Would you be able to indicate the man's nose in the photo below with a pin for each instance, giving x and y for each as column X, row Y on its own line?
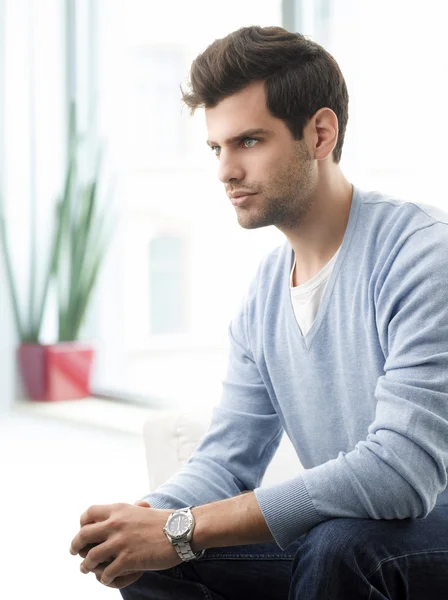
column 229, row 168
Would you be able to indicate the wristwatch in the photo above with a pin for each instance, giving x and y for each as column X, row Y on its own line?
column 179, row 531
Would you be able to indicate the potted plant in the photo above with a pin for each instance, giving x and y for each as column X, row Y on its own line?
column 62, row 370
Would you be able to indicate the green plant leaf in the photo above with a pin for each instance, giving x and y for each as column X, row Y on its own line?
column 97, row 254
column 11, row 280
column 80, row 237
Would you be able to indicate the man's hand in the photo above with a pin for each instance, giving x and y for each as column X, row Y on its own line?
column 120, row 541
column 118, row 582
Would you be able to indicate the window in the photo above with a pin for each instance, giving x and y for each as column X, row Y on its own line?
column 179, row 263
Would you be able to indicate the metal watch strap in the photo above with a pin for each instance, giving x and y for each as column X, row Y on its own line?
column 183, row 548
column 185, row 552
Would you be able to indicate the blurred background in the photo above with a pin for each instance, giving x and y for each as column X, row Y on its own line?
column 176, row 264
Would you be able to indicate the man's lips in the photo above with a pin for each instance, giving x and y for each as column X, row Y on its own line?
column 240, row 193
column 240, row 198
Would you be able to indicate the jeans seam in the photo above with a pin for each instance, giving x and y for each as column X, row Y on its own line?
column 370, row 591
column 408, row 555
column 205, row 591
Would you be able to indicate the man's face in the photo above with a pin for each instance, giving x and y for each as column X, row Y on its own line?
column 269, row 176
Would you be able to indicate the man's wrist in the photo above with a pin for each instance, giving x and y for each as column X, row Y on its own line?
column 194, row 542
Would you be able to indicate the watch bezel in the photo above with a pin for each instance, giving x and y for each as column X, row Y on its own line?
column 178, row 536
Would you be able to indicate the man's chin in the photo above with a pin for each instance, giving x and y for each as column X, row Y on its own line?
column 251, row 223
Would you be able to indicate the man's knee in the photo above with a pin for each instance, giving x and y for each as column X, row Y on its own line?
column 333, row 543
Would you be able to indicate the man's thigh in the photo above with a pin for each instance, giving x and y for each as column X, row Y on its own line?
column 261, row 571
column 399, row 559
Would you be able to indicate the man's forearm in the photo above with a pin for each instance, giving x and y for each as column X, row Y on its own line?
column 231, row 522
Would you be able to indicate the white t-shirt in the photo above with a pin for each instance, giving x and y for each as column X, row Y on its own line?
column 306, row 298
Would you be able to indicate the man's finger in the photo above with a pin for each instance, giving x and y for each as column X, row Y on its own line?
column 89, row 535
column 114, row 570
column 95, row 513
column 100, row 568
column 100, row 556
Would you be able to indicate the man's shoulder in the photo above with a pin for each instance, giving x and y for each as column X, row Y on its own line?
column 415, row 213
column 268, row 280
column 403, row 241
column 275, row 258
column 390, row 225
column 272, row 265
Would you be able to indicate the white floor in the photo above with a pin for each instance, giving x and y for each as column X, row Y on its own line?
column 50, row 472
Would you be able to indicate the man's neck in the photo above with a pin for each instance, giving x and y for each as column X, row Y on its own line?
column 319, row 236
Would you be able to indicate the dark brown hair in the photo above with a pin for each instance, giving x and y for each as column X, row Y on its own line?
column 300, row 76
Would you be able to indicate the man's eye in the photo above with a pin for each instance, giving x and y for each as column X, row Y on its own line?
column 215, row 149
column 249, row 142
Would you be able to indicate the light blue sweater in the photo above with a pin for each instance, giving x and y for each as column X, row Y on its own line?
column 363, row 396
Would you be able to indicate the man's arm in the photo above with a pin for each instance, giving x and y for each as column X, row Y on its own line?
column 244, row 434
column 119, row 541
column 231, row 522
column 231, row 460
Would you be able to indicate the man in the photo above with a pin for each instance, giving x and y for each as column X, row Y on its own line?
column 342, row 342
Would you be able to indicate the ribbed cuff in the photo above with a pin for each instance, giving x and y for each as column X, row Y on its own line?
column 288, row 510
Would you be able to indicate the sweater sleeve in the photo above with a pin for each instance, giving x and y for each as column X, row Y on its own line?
column 401, row 467
column 242, row 438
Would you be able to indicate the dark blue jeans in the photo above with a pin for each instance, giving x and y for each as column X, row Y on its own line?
column 340, row 559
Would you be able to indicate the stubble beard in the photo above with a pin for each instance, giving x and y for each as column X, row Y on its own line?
column 285, row 201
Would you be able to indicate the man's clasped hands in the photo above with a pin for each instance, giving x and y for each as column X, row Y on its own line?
column 118, row 542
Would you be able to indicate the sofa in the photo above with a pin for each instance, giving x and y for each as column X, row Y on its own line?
column 170, row 437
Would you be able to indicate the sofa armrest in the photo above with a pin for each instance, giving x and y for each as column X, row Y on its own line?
column 170, row 437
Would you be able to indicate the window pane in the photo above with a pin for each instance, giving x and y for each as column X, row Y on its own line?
column 156, row 123
column 167, row 286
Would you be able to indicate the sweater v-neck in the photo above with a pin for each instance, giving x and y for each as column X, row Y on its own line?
column 307, row 339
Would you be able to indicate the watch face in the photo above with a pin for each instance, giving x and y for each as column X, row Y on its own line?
column 178, row 525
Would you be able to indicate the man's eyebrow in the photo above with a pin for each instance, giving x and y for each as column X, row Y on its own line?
column 241, row 136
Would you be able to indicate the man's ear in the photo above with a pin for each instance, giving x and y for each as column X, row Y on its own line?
column 323, row 131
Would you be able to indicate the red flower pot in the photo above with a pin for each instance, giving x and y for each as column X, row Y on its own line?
column 56, row 371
